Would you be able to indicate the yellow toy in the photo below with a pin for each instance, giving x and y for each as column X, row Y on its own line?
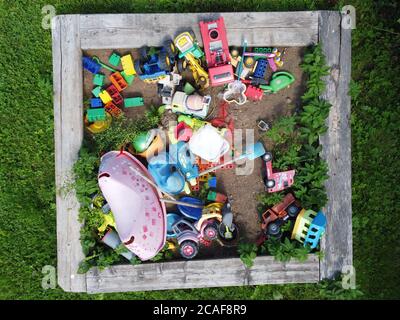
column 127, row 65
column 303, row 222
column 105, row 97
column 108, row 221
column 199, row 74
column 98, row 126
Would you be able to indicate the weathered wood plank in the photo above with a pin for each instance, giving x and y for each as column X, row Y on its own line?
column 200, row 274
column 259, row 28
column 337, row 242
column 68, row 110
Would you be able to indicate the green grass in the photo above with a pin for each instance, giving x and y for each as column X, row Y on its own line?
column 28, row 226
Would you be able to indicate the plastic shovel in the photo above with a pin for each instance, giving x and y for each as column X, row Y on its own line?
column 252, row 152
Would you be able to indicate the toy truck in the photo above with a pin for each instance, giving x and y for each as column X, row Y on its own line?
column 186, row 43
column 216, row 48
column 273, row 218
column 276, row 181
column 194, row 104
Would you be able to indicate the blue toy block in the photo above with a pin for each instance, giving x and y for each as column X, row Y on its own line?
column 212, row 182
column 261, row 68
column 91, row 65
column 96, row 103
column 315, row 231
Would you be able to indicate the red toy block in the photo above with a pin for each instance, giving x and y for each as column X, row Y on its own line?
column 116, row 97
column 118, row 81
column 112, row 109
column 254, row 93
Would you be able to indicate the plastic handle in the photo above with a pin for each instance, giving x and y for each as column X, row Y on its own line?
column 284, row 73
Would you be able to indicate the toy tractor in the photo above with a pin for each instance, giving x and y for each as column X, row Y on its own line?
column 191, row 52
column 155, row 64
column 275, row 217
column 276, row 181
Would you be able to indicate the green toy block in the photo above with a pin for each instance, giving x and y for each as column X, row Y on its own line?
column 188, row 88
column 98, row 79
column 96, row 91
column 128, row 78
column 98, row 114
column 133, row 102
column 114, row 59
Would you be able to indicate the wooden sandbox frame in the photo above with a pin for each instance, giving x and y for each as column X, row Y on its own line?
column 73, row 33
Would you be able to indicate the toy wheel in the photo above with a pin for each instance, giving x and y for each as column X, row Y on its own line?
column 138, row 67
column 202, row 81
column 163, row 61
column 181, row 65
column 188, row 249
column 249, row 62
column 170, row 48
column 269, row 183
column 144, row 52
column 267, row 156
column 274, row 230
column 234, row 52
column 210, row 232
column 293, row 211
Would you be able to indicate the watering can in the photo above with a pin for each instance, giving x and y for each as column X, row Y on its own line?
column 279, row 81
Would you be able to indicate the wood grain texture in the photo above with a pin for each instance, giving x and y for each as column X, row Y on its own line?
column 337, row 242
column 200, row 274
column 68, row 110
column 260, row 28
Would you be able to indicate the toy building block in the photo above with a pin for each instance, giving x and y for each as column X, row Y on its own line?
column 129, row 79
column 112, row 109
column 114, row 59
column 212, row 182
column 98, row 79
column 105, row 97
column 216, row 197
column 133, row 102
column 254, row 93
column 96, row 103
column 98, row 114
column 96, row 91
column 115, row 95
column 260, row 68
column 118, row 81
column 188, row 88
column 91, row 65
column 127, row 65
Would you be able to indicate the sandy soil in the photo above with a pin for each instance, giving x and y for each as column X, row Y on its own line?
column 243, row 189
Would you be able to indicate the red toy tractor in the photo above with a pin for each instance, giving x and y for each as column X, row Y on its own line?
column 276, row 181
column 217, row 53
column 273, row 218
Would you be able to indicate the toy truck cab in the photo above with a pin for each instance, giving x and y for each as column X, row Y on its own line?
column 186, row 44
column 217, row 51
column 273, row 218
column 276, row 181
column 187, row 237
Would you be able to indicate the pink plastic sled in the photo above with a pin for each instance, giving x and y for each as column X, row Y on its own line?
column 139, row 215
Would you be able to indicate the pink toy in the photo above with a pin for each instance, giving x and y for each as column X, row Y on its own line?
column 139, row 215
column 217, row 53
column 183, row 132
column 276, row 181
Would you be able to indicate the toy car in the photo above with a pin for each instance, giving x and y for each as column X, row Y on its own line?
column 216, row 49
column 195, row 104
column 273, row 218
column 276, row 181
column 187, row 237
column 186, row 43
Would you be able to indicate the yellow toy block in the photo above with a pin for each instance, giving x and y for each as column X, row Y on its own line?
column 127, row 65
column 105, row 97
